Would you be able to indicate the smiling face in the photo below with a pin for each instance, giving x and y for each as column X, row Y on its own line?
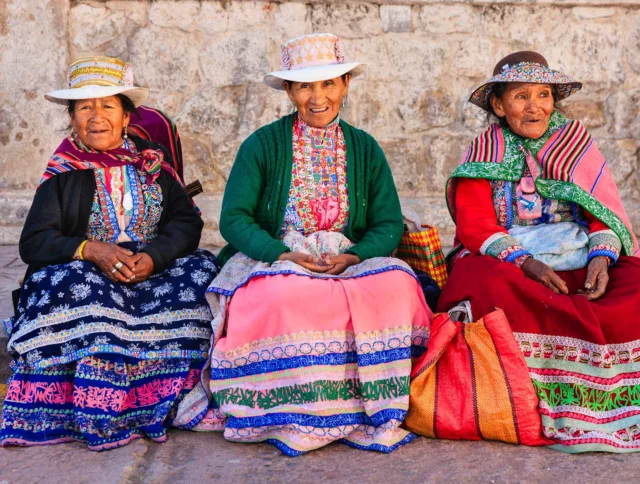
column 526, row 106
column 99, row 122
column 318, row 103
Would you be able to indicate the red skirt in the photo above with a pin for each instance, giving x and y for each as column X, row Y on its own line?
column 583, row 356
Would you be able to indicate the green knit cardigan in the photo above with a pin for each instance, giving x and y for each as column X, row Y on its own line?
column 257, row 192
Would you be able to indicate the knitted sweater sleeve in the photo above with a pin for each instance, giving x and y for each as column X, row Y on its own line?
column 242, row 195
column 384, row 223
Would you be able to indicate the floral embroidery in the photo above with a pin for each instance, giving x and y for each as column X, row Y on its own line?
column 318, row 197
column 124, row 207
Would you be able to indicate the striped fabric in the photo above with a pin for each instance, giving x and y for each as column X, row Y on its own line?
column 561, row 158
column 488, row 147
column 472, row 384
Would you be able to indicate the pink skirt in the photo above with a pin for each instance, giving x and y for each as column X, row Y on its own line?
column 304, row 362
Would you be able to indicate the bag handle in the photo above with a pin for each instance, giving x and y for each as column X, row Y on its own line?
column 463, row 308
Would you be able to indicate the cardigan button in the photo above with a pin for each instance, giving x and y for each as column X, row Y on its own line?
column 282, row 209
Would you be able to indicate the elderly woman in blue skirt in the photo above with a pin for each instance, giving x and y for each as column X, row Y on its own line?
column 112, row 328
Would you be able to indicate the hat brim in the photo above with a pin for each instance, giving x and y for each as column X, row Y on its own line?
column 313, row 74
column 138, row 95
column 564, row 84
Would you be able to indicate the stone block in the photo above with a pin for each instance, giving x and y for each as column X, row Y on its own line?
column 408, row 160
column 203, row 164
column 444, row 154
column 623, row 110
column 213, row 112
column 165, row 69
column 448, row 19
column 474, row 58
column 374, row 52
column 292, row 19
column 589, row 111
column 183, row 16
column 213, row 18
column 632, row 44
column 622, row 158
column 417, row 60
column 236, row 58
column 423, row 109
column 245, row 15
column 589, row 13
column 346, row 19
column 577, row 47
column 103, row 28
column 474, row 119
column 396, row 18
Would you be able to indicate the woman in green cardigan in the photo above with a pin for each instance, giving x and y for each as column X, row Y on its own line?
column 314, row 321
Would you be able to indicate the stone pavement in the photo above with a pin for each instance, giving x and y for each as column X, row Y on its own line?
column 197, row 457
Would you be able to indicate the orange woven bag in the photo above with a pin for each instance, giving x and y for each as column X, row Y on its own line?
column 473, row 383
column 423, row 251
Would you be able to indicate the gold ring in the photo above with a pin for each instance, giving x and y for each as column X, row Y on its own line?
column 118, row 266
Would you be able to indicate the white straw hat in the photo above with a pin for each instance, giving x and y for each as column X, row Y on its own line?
column 310, row 58
column 94, row 77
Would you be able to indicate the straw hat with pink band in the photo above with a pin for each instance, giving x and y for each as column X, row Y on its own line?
column 310, row 58
column 95, row 77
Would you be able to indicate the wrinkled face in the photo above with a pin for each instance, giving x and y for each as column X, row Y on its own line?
column 318, row 103
column 99, row 122
column 527, row 108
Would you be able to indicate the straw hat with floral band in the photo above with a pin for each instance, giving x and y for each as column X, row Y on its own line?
column 96, row 77
column 524, row 66
column 310, row 58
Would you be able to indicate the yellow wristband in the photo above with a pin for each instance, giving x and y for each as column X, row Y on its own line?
column 80, row 249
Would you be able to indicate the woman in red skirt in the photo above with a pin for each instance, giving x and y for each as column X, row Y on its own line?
column 543, row 235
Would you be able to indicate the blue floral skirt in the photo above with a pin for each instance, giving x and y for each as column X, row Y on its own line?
column 101, row 361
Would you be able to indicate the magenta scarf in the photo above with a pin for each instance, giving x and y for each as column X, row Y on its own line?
column 73, row 155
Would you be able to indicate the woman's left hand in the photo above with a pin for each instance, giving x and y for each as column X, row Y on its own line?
column 597, row 278
column 341, row 262
column 143, row 267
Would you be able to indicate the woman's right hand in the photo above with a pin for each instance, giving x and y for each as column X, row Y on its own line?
column 307, row 261
column 542, row 273
column 106, row 256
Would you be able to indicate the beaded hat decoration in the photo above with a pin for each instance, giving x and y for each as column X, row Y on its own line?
column 95, row 77
column 310, row 58
column 525, row 66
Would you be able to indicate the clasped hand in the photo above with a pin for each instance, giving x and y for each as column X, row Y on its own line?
column 595, row 284
column 333, row 264
column 118, row 263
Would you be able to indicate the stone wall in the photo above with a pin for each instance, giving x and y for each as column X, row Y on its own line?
column 204, row 62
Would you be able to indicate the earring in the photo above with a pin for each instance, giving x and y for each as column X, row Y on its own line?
column 125, row 136
column 293, row 108
column 343, row 103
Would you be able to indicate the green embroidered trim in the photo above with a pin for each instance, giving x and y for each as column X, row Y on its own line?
column 559, row 394
column 317, row 391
